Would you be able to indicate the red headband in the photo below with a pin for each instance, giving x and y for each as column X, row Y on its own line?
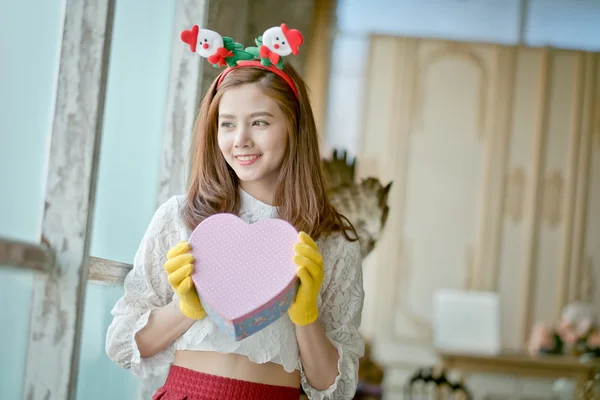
column 258, row 64
column 275, row 43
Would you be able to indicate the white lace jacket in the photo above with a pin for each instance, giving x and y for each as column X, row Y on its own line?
column 146, row 288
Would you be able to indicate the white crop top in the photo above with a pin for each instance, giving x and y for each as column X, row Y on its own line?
column 146, row 288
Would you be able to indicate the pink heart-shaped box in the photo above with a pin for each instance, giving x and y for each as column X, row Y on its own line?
column 244, row 273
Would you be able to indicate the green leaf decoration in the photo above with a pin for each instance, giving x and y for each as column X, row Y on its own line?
column 253, row 51
column 238, row 55
column 232, row 45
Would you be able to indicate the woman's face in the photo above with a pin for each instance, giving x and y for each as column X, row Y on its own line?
column 252, row 136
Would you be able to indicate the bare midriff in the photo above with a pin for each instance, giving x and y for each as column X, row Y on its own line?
column 236, row 366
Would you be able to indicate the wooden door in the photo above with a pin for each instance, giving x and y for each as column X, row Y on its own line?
column 494, row 155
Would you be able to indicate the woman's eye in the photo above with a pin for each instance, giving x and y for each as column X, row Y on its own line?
column 260, row 123
column 226, row 124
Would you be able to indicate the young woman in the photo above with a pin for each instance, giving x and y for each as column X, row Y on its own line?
column 255, row 154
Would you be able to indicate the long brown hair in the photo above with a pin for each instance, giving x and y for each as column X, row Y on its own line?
column 300, row 195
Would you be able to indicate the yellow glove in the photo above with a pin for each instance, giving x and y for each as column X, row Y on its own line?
column 179, row 267
column 303, row 310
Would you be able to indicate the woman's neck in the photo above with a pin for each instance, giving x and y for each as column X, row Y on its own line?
column 260, row 192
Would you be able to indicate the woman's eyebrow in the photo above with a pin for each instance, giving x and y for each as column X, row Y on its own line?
column 253, row 115
column 261, row 114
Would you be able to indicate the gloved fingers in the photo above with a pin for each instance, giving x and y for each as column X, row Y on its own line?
column 186, row 285
column 177, row 262
column 180, row 248
column 304, row 275
column 177, row 276
column 304, row 238
column 315, row 271
column 308, row 252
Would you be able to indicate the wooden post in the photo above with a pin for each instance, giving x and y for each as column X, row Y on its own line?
column 58, row 295
column 318, row 59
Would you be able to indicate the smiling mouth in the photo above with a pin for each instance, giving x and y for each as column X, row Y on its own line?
column 247, row 159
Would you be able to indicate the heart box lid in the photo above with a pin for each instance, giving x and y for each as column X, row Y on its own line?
column 239, row 268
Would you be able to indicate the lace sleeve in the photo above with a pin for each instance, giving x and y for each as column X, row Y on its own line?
column 146, row 288
column 340, row 313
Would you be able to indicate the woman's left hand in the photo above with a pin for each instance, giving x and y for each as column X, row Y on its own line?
column 303, row 310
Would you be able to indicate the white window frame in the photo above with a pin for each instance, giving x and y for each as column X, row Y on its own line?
column 61, row 261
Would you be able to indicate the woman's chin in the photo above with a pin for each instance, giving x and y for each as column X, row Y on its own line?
column 248, row 178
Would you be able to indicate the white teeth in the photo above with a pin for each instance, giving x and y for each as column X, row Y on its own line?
column 247, row 158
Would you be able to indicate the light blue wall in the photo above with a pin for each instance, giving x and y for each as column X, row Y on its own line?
column 129, row 162
column 570, row 24
column 484, row 20
column 127, row 178
column 133, row 126
column 29, row 50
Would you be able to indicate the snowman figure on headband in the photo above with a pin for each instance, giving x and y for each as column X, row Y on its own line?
column 275, row 43
column 219, row 51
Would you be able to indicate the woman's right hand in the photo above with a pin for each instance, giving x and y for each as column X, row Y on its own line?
column 179, row 267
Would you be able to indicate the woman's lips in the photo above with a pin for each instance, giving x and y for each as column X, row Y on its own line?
column 247, row 159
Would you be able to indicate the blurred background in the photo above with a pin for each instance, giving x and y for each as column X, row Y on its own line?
column 467, row 152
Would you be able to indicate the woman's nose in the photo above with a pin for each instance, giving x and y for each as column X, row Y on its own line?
column 242, row 138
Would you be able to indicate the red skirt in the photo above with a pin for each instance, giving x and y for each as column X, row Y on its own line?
column 185, row 384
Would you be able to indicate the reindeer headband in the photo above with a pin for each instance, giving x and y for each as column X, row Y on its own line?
column 275, row 43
